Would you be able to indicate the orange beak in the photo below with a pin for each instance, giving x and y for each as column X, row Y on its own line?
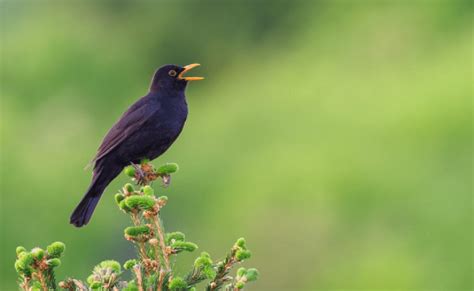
column 188, row 68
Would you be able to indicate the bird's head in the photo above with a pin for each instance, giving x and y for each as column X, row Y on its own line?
column 171, row 78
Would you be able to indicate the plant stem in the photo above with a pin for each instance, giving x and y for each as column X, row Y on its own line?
column 26, row 284
column 162, row 242
column 138, row 274
column 42, row 281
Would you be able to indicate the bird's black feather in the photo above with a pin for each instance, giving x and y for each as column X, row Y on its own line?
column 145, row 131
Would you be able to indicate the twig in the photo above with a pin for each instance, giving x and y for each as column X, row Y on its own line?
column 138, row 274
column 162, row 242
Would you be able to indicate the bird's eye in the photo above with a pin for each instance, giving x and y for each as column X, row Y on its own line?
column 172, row 73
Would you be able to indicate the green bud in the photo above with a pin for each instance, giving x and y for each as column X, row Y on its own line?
column 90, row 279
column 20, row 250
column 37, row 253
column 241, row 272
column 128, row 188
column 252, row 274
column 53, row 263
column 177, row 283
column 144, row 161
column 129, row 171
column 204, row 260
column 179, row 246
column 147, row 190
column 131, row 286
column 167, row 168
column 119, row 198
column 192, row 289
column 164, row 198
column 56, row 249
column 176, row 236
column 110, row 264
column 23, row 264
column 240, row 285
column 241, row 255
column 204, row 263
column 241, row 243
column 137, row 230
column 140, row 202
column 124, row 207
column 95, row 285
column 128, row 265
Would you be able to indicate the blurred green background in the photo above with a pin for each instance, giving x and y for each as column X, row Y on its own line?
column 335, row 136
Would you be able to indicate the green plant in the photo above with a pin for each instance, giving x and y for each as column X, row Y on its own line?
column 152, row 269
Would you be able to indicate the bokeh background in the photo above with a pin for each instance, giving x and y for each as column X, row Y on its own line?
column 335, row 136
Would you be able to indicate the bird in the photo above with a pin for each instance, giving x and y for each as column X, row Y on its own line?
column 145, row 131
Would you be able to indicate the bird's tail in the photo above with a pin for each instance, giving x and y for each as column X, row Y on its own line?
column 83, row 212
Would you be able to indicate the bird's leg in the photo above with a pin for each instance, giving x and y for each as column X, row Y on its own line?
column 140, row 176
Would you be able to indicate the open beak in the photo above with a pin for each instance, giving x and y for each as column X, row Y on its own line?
column 188, row 68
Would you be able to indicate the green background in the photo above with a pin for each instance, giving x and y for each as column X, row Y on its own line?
column 335, row 136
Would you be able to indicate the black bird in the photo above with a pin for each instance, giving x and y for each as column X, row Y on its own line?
column 145, row 131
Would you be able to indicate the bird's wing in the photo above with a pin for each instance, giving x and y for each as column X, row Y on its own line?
column 130, row 122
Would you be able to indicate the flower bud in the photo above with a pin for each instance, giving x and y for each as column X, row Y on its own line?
column 56, row 249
